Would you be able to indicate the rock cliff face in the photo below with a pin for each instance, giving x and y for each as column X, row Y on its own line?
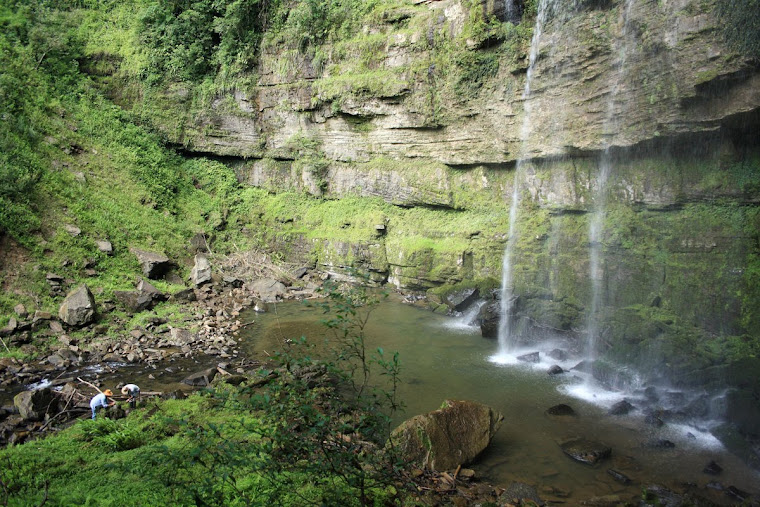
column 428, row 110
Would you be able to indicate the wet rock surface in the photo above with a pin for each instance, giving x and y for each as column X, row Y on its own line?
column 586, row 451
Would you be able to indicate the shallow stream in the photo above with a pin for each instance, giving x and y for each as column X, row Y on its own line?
column 443, row 357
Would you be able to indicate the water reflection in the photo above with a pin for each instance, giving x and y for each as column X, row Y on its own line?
column 442, row 358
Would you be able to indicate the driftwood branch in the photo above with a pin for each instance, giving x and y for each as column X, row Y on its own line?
column 90, row 384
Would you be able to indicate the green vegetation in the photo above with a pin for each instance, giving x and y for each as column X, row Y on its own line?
column 293, row 435
column 741, row 25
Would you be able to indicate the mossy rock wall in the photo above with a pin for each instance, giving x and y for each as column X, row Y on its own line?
column 678, row 248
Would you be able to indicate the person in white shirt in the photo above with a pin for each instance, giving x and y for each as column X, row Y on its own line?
column 134, row 394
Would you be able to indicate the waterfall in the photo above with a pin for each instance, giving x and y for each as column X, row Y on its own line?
column 505, row 335
column 596, row 224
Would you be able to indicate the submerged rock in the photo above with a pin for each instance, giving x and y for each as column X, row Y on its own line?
column 586, row 451
column 619, row 476
column 560, row 410
column 518, row 492
column 448, row 437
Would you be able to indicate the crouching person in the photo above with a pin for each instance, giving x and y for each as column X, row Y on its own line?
column 101, row 401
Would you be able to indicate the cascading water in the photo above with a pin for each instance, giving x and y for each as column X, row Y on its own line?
column 596, row 224
column 505, row 335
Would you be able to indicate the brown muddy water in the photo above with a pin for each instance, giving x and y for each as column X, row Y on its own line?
column 443, row 357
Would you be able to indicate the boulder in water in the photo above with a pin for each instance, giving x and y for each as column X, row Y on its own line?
column 555, row 369
column 621, row 408
column 448, row 437
column 78, row 309
column 586, row 451
column 532, row 357
column 557, row 354
column 460, row 300
column 489, row 320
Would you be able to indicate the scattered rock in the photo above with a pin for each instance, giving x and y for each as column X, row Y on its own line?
column 737, row 493
column 712, row 468
column 180, row 337
column 33, row 405
column 619, row 476
column 651, row 394
column 201, row 378
column 10, row 327
column 201, row 272
column 198, row 243
column 20, row 310
column 268, row 289
column 133, row 301
column 73, row 230
column 586, row 451
column 184, row 295
column 489, row 320
column 78, row 309
column 448, row 437
column 154, row 265
column 558, row 354
column 560, row 410
column 533, row 357
column 460, row 300
column 104, row 246
column 517, row 492
column 555, row 369
column 232, row 281
column 661, row 443
column 621, row 408
column 653, row 420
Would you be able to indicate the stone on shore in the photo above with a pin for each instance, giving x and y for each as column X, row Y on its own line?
column 448, row 437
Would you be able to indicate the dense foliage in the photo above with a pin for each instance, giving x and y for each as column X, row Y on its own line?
column 741, row 25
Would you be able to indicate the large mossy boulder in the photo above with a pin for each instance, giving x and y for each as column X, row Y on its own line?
column 448, row 437
column 78, row 309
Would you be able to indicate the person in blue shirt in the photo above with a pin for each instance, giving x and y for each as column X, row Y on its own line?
column 101, row 400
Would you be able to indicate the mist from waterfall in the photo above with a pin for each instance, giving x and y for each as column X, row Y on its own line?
column 506, row 341
column 596, row 224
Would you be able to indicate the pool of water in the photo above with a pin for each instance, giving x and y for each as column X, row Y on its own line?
column 442, row 358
